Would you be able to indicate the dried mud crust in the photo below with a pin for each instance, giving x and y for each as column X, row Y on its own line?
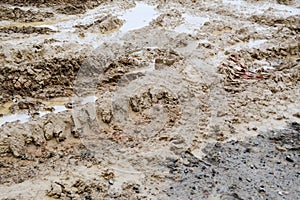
column 252, row 88
column 51, row 2
column 42, row 79
column 69, row 7
column 26, row 30
column 273, row 64
column 289, row 22
column 17, row 14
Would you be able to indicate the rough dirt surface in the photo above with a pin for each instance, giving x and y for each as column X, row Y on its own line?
column 190, row 99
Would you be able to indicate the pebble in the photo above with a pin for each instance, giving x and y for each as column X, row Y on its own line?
column 281, row 193
column 88, row 197
column 289, row 158
column 261, row 189
column 111, row 182
column 297, row 114
column 279, row 148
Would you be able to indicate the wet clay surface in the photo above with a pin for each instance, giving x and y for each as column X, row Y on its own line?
column 149, row 99
column 265, row 166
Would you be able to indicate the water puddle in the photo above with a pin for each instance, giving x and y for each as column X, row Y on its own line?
column 58, row 104
column 191, row 23
column 138, row 17
column 22, row 118
column 255, row 43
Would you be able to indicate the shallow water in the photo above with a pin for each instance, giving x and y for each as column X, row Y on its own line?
column 22, row 118
column 58, row 104
column 67, row 32
column 138, row 17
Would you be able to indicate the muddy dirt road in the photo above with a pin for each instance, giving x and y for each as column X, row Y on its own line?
column 149, row 99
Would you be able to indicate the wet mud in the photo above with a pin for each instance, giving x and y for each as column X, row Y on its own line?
column 149, row 99
column 265, row 166
column 17, row 14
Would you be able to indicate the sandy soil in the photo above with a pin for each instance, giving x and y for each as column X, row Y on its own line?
column 149, row 99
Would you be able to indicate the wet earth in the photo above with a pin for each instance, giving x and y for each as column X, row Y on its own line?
column 149, row 99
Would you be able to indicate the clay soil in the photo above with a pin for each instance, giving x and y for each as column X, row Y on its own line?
column 190, row 99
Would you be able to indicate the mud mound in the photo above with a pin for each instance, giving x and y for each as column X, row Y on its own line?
column 285, row 2
column 105, row 24
column 50, row 2
column 72, row 9
column 26, row 30
column 37, row 144
column 280, row 64
column 291, row 22
column 38, row 79
column 69, row 7
column 171, row 19
column 132, row 65
column 17, row 14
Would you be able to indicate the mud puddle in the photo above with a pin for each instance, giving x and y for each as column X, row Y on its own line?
column 138, row 17
column 54, row 106
column 66, row 31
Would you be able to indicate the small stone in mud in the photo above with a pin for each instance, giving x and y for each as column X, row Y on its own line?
column 48, row 131
column 55, row 191
column 261, row 189
column 205, row 45
column 88, row 197
column 297, row 114
column 76, row 132
column 289, row 158
column 50, row 109
column 279, row 148
column 111, row 182
column 69, row 105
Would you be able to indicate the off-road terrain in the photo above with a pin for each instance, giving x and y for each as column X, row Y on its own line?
column 173, row 99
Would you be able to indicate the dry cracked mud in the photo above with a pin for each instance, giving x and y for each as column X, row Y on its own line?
column 149, row 99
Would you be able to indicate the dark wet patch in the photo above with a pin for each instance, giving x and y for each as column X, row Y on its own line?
column 262, row 167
